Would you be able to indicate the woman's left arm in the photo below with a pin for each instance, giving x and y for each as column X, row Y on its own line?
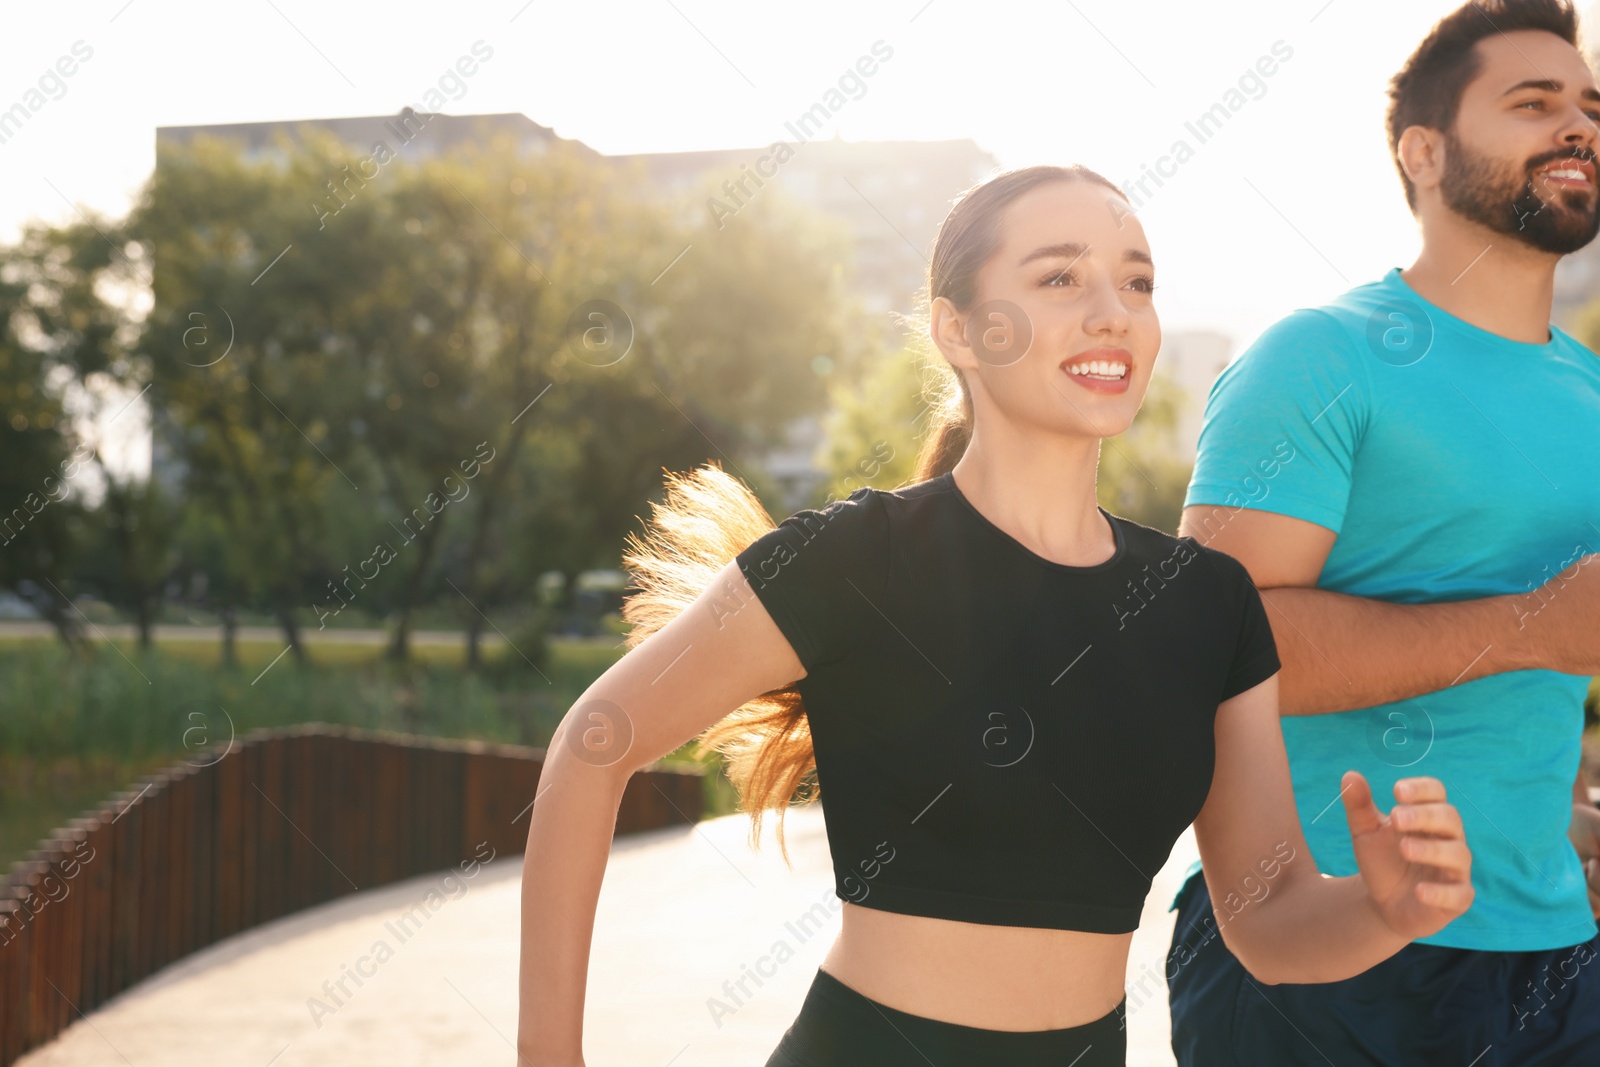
column 1302, row 926
column 1585, row 835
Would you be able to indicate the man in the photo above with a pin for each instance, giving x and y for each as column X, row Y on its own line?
column 1411, row 474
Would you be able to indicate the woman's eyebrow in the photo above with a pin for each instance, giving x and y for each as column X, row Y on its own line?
column 1075, row 250
column 1067, row 250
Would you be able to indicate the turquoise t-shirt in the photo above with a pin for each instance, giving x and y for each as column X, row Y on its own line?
column 1454, row 464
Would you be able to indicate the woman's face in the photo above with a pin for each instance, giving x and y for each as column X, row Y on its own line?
column 1064, row 333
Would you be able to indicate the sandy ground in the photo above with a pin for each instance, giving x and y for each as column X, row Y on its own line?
column 682, row 912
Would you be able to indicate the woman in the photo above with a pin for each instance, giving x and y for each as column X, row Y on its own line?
column 1014, row 700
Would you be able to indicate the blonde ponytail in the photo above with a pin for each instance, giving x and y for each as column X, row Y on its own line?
column 949, row 427
column 706, row 519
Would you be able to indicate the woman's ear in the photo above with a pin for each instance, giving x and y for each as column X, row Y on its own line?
column 947, row 327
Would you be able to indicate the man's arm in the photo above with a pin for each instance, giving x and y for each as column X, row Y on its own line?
column 1343, row 652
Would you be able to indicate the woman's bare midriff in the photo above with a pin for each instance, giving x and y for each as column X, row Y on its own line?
column 995, row 977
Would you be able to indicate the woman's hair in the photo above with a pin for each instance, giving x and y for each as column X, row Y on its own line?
column 708, row 516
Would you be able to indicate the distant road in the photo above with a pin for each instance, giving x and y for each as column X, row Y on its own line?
column 310, row 635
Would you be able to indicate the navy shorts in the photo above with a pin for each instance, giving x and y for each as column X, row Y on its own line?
column 1424, row 1005
column 838, row 1027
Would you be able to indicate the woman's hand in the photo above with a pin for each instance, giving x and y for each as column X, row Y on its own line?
column 1585, row 835
column 1414, row 861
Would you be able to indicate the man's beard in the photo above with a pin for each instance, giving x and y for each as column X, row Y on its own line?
column 1481, row 188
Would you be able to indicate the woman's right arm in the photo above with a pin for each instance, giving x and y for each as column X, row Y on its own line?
column 1299, row 925
column 723, row 650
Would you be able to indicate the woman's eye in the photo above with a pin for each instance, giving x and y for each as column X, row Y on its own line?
column 1147, row 285
column 1531, row 103
column 1063, row 277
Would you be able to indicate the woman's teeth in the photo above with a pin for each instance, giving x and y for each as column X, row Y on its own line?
column 1106, row 369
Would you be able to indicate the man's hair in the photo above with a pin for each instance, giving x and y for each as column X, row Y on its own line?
column 1427, row 90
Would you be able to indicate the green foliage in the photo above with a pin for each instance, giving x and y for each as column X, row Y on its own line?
column 1587, row 329
column 61, row 328
column 720, row 346
column 875, row 425
column 1143, row 475
column 174, row 699
column 480, row 363
column 527, row 659
column 878, row 422
column 132, row 549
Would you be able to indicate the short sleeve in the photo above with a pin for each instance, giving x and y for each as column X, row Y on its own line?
column 1255, row 653
column 1284, row 421
column 821, row 574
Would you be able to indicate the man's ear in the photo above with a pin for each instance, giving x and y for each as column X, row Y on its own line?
column 1421, row 151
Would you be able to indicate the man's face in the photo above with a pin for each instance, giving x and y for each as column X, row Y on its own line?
column 1520, row 159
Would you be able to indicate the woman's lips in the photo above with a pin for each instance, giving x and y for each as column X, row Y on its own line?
column 1093, row 371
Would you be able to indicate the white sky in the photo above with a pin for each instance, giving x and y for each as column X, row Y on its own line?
column 1293, row 201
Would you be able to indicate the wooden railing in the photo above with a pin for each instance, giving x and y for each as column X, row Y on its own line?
column 283, row 820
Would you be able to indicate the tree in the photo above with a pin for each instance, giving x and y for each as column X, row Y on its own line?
column 133, row 552
column 876, row 425
column 66, row 325
column 236, row 365
column 650, row 343
column 210, row 569
column 540, row 332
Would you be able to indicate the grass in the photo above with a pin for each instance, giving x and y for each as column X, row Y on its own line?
column 75, row 731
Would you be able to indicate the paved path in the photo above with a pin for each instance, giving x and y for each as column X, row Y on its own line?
column 681, row 912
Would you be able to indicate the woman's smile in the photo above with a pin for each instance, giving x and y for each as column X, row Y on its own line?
column 1100, row 370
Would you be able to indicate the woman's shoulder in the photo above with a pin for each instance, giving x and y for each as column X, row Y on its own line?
column 879, row 499
column 928, row 487
column 871, row 504
column 1147, row 540
column 1146, row 543
column 857, row 530
column 844, row 530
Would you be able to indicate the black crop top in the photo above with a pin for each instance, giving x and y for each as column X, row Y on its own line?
column 1000, row 738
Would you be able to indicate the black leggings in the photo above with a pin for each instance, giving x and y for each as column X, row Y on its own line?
column 838, row 1027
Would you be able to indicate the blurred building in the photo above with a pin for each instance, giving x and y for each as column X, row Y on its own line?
column 889, row 195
